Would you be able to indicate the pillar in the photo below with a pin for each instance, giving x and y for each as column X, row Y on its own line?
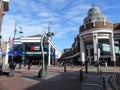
column 82, row 51
column 95, row 47
column 112, row 50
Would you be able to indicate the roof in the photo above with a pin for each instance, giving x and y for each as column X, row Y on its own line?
column 37, row 35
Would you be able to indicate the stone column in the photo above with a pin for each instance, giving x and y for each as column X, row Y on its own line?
column 112, row 50
column 82, row 51
column 95, row 47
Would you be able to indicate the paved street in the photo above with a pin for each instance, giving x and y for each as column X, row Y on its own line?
column 57, row 79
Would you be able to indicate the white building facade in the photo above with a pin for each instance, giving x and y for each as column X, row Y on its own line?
column 98, row 41
column 99, row 38
column 31, row 50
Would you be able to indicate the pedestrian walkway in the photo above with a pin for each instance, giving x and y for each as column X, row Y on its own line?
column 56, row 79
column 98, row 81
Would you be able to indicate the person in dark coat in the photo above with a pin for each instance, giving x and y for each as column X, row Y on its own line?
column 12, row 66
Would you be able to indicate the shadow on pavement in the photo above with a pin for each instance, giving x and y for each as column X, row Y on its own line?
column 61, row 81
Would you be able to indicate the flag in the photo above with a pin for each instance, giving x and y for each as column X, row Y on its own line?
column 10, row 40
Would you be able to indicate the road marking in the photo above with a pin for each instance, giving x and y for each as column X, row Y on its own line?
column 115, row 85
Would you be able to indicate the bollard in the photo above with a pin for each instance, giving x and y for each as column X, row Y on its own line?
column 46, row 67
column 80, row 75
column 1, row 72
column 19, row 65
column 100, row 73
column 104, row 84
column 64, row 68
column 1, row 65
column 29, row 66
column 86, row 66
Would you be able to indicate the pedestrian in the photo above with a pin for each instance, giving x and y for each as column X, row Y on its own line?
column 12, row 66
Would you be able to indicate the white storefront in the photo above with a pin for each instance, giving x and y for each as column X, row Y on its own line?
column 36, row 39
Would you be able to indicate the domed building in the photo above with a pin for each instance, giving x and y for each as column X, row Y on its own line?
column 98, row 40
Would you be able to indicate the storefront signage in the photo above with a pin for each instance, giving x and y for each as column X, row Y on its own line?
column 35, row 52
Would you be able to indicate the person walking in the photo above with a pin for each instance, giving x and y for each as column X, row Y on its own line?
column 12, row 66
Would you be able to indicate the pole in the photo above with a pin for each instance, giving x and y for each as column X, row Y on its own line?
column 42, row 51
column 42, row 73
column 104, row 83
column 86, row 67
column 13, row 42
column 64, row 67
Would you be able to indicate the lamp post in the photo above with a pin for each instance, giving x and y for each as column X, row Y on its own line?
column 43, row 71
column 15, row 31
column 12, row 64
column 21, row 32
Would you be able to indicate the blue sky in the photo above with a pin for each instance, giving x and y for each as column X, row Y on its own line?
column 66, row 17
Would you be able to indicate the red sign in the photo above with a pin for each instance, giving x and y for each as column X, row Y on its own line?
column 32, row 48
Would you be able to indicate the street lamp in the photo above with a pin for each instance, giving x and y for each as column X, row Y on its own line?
column 15, row 31
column 43, row 71
column 20, row 31
column 12, row 64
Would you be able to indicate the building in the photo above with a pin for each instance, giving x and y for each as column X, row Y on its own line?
column 98, row 40
column 28, row 49
column 4, row 6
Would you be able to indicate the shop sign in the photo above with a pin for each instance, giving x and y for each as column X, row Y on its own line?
column 35, row 52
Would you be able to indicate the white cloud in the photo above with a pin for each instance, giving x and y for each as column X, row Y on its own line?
column 34, row 15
